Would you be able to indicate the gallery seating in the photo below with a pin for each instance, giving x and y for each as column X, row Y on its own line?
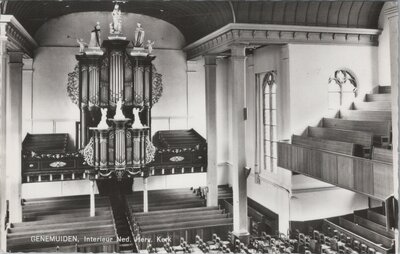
column 63, row 224
column 338, row 148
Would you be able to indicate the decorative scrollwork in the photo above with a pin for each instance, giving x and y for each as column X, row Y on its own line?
column 150, row 151
column 57, row 164
column 73, row 85
column 176, row 158
column 88, row 152
column 157, row 86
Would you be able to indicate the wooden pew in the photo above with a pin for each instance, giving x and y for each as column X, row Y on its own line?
column 364, row 115
column 174, row 211
column 376, row 217
column 381, row 154
column 378, row 97
column 185, row 224
column 356, row 137
column 378, row 128
column 330, row 225
column 65, row 207
column 179, row 217
column 328, row 145
column 366, row 233
column 72, row 213
column 63, row 216
column 61, row 220
column 169, row 206
column 373, row 226
column 373, row 105
column 188, row 233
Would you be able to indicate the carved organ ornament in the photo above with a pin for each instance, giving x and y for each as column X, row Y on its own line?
column 115, row 98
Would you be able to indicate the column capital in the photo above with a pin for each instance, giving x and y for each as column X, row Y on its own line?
column 210, row 60
column 238, row 50
column 15, row 56
column 28, row 64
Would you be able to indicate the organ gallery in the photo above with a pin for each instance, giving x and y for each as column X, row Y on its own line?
column 199, row 127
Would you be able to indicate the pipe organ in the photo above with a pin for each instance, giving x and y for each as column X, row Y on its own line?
column 118, row 75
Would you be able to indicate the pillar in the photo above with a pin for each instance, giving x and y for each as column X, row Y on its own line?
column 145, row 196
column 392, row 15
column 3, row 76
column 27, row 97
column 92, row 200
column 14, row 134
column 238, row 149
column 210, row 66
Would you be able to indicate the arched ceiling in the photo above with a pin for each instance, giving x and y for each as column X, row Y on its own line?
column 196, row 19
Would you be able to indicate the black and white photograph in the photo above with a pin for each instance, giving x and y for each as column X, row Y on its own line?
column 179, row 126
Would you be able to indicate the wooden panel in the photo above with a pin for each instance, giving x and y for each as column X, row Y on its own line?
column 382, row 154
column 383, row 180
column 356, row 174
column 357, row 137
column 378, row 97
column 323, row 144
column 379, row 128
column 345, row 171
column 364, row 115
column 363, row 176
column 329, row 169
column 373, row 105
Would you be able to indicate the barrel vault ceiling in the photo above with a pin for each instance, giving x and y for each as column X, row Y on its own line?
column 196, row 19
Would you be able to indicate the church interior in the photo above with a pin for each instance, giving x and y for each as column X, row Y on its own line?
column 199, row 126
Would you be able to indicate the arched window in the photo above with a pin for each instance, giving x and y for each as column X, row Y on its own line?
column 267, row 121
column 342, row 89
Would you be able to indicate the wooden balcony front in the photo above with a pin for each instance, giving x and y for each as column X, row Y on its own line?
column 370, row 177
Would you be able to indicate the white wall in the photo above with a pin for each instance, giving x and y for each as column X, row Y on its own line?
column 310, row 68
column 384, row 49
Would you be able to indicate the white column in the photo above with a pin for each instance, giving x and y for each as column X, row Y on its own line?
column 3, row 76
column 92, row 200
column 13, row 134
column 238, row 155
column 210, row 66
column 145, row 196
column 27, row 96
column 392, row 14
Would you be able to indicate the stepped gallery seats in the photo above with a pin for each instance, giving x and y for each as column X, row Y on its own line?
column 356, row 131
column 63, row 224
column 352, row 151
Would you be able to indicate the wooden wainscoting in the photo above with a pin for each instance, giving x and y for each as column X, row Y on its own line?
column 371, row 177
